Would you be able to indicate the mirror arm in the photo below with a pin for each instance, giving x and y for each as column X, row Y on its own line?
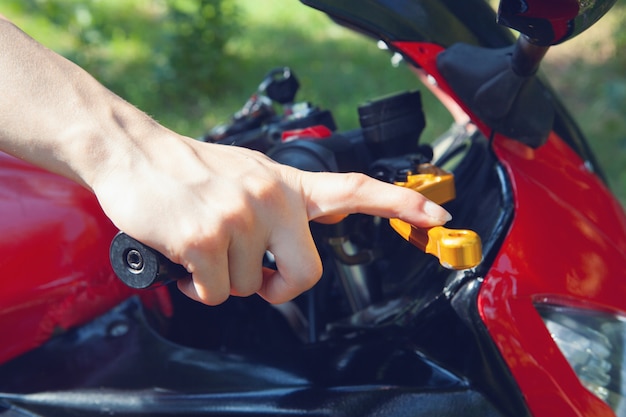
column 527, row 56
column 501, row 88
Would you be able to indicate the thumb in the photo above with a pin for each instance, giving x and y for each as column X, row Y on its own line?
column 331, row 195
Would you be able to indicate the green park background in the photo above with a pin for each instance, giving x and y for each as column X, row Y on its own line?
column 192, row 63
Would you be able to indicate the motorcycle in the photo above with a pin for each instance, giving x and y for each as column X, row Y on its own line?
column 515, row 308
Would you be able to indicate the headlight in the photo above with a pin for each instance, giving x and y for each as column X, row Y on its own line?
column 594, row 344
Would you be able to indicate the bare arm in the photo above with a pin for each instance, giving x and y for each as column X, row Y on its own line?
column 212, row 208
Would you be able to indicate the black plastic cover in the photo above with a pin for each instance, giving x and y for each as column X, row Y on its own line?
column 118, row 366
column 392, row 125
column 443, row 22
column 515, row 105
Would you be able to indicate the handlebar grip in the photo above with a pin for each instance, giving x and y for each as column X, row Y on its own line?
column 140, row 266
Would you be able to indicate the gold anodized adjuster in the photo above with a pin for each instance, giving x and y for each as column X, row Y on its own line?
column 455, row 248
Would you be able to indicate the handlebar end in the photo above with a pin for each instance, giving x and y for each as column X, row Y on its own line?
column 139, row 266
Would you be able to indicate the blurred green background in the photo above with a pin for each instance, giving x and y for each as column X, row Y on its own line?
column 192, row 63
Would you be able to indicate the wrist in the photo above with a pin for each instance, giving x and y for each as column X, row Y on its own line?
column 114, row 136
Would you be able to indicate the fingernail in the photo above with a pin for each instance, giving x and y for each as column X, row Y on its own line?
column 437, row 212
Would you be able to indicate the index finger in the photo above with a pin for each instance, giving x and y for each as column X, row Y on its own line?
column 332, row 194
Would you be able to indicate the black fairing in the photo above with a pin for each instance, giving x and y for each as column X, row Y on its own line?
column 98, row 370
column 443, row 22
column 513, row 104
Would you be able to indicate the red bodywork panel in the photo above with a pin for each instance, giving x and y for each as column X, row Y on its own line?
column 567, row 241
column 54, row 257
column 313, row 132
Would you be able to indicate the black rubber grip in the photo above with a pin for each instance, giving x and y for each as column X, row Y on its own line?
column 140, row 266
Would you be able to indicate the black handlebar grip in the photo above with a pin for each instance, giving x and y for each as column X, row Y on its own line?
column 140, row 266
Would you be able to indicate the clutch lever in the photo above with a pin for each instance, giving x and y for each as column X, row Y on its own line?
column 456, row 248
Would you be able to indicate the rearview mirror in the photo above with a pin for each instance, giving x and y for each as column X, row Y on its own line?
column 549, row 22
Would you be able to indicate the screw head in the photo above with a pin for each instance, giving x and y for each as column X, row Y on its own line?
column 134, row 260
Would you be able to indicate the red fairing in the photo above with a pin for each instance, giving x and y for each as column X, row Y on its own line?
column 578, row 253
column 567, row 242
column 53, row 258
column 313, row 132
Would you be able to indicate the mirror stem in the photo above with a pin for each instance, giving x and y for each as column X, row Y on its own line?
column 527, row 56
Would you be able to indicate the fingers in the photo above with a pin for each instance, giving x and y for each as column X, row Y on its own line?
column 208, row 266
column 245, row 258
column 240, row 273
column 226, row 262
column 331, row 194
column 233, row 265
column 298, row 264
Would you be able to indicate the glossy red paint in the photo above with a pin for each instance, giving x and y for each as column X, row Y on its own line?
column 559, row 14
column 313, row 132
column 567, row 241
column 425, row 56
column 578, row 254
column 53, row 258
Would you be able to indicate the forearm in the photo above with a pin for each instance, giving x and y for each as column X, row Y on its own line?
column 55, row 115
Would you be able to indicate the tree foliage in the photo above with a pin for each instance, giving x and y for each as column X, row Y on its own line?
column 155, row 53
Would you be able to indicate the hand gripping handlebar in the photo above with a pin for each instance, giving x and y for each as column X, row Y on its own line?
column 140, row 266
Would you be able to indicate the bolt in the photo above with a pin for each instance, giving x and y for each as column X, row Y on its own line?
column 134, row 260
column 118, row 328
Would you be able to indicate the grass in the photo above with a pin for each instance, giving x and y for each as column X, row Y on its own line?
column 339, row 69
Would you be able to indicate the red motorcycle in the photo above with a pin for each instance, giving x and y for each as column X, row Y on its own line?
column 516, row 308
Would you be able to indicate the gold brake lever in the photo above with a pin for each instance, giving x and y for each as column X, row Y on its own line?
column 455, row 248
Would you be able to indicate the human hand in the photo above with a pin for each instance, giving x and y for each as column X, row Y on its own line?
column 218, row 221
column 214, row 209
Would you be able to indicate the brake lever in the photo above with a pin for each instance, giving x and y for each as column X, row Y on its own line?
column 456, row 248
column 140, row 266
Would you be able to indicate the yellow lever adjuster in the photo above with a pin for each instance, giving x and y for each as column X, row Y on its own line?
column 455, row 248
